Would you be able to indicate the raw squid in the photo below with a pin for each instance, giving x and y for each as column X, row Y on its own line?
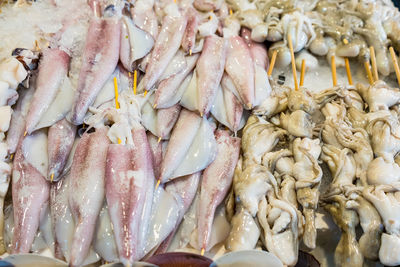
column 166, row 119
column 100, row 57
column 128, row 169
column 167, row 44
column 87, row 190
column 135, row 44
column 189, row 37
column 52, row 69
column 30, row 191
column 240, row 67
column 181, row 138
column 217, row 179
column 168, row 92
column 18, row 122
column 61, row 139
column 144, row 17
column 209, row 70
column 62, row 222
column 184, row 190
column 192, row 140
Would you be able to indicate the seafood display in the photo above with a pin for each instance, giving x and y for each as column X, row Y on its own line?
column 133, row 128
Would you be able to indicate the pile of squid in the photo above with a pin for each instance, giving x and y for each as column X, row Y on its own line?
column 344, row 29
column 276, row 184
column 113, row 137
column 354, row 130
column 360, row 147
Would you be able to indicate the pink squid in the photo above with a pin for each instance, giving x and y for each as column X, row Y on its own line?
column 184, row 190
column 240, row 67
column 87, row 190
column 258, row 50
column 184, row 132
column 53, row 67
column 210, row 68
column 217, row 179
column 30, row 194
column 189, row 37
column 129, row 167
column 165, row 47
column 61, row 138
column 167, row 93
column 166, row 119
column 99, row 60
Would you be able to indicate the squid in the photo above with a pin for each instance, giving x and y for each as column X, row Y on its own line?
column 240, row 67
column 30, row 190
column 52, row 70
column 256, row 132
column 379, row 96
column 348, row 251
column 100, row 57
column 61, row 138
column 279, row 220
column 135, row 44
column 18, row 119
column 191, row 139
column 62, row 222
column 371, row 224
column 385, row 198
column 189, row 37
column 165, row 47
column 127, row 171
column 209, row 70
column 86, row 192
column 227, row 109
column 217, row 179
column 168, row 92
column 184, row 190
column 144, row 17
column 308, row 174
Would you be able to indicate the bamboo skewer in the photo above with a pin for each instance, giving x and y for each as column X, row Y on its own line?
column 302, row 72
column 333, row 67
column 296, row 86
column 373, row 62
column 348, row 71
column 395, row 64
column 368, row 71
column 116, row 99
column 116, row 92
column 272, row 63
column 347, row 64
column 135, row 82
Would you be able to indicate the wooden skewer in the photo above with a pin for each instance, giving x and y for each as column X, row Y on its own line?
column 348, row 71
column 373, row 62
column 158, row 183
column 51, row 177
column 190, row 52
column 116, row 99
column 333, row 67
column 395, row 64
column 302, row 72
column 272, row 63
column 159, row 140
column 116, row 92
column 368, row 71
column 296, row 86
column 134, row 82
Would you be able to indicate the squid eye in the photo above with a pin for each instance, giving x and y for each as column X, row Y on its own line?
column 110, row 11
column 281, row 79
